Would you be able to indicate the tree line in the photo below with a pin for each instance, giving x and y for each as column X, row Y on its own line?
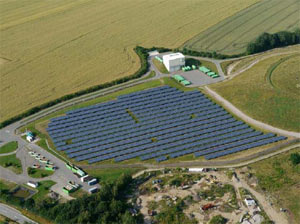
column 268, row 41
column 109, row 205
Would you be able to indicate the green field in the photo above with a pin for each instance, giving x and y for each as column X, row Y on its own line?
column 52, row 48
column 232, row 35
column 39, row 173
column 254, row 94
column 8, row 147
column 278, row 177
column 11, row 162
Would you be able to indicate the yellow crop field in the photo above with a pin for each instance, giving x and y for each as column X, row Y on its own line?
column 52, row 48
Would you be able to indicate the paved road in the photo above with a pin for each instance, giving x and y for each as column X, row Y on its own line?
column 13, row 214
column 248, row 119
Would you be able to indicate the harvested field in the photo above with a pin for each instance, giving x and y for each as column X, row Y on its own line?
column 59, row 47
column 232, row 35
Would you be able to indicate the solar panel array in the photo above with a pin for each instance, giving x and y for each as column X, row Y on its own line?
column 158, row 123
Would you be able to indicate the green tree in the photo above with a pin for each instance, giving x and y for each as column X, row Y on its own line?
column 295, row 158
column 218, row 219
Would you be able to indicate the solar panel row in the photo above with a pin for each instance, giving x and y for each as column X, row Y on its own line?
column 243, row 133
column 59, row 136
column 177, row 98
column 92, row 120
column 244, row 147
column 116, row 109
column 101, row 136
column 113, row 105
column 246, row 141
column 94, row 143
column 163, row 146
column 174, row 130
column 160, row 159
column 162, row 140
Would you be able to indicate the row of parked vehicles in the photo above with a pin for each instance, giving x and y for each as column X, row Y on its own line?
column 84, row 177
column 42, row 159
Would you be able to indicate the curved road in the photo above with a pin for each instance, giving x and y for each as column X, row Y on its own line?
column 248, row 119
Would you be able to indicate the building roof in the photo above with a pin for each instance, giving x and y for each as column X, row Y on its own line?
column 173, row 56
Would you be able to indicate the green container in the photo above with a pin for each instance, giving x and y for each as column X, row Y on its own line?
column 49, row 168
column 204, row 69
column 69, row 166
column 65, row 190
column 80, row 172
column 186, row 83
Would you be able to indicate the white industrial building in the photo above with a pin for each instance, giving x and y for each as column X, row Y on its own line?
column 174, row 61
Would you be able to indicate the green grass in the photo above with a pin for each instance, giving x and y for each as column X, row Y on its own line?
column 39, row 173
column 232, row 35
column 224, row 66
column 109, row 175
column 9, row 147
column 43, row 189
column 160, row 66
column 6, row 185
column 253, row 94
column 278, row 177
column 11, row 162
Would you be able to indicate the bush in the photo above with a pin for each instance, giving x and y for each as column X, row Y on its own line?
column 295, row 158
column 218, row 220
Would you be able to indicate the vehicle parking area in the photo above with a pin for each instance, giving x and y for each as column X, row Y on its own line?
column 198, row 78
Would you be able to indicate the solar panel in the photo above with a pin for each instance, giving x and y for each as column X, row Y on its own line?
column 170, row 122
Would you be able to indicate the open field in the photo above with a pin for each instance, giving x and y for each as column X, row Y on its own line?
column 232, row 35
column 59, row 47
column 278, row 177
column 253, row 93
column 8, row 147
column 11, row 162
